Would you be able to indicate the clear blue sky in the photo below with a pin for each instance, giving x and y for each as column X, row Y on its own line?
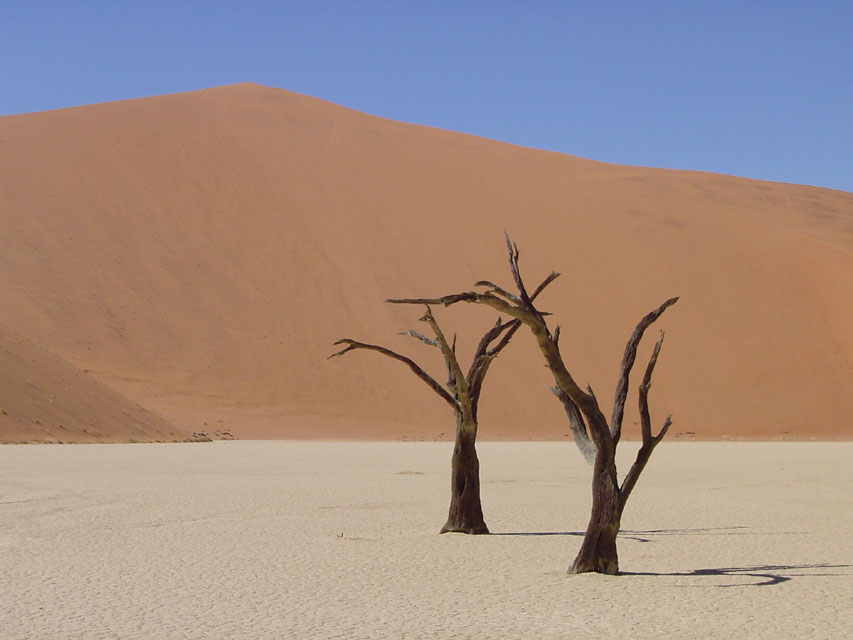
column 758, row 89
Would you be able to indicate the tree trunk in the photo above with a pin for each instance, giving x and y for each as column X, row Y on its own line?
column 598, row 551
column 466, row 512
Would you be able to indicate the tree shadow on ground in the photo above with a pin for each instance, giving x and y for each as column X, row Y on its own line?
column 766, row 575
column 763, row 575
column 538, row 533
column 640, row 536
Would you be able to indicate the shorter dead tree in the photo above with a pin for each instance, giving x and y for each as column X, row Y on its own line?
column 463, row 396
column 595, row 437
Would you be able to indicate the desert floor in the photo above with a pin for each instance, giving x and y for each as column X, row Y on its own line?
column 335, row 539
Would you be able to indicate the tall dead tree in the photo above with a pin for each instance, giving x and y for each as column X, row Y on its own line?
column 466, row 512
column 589, row 426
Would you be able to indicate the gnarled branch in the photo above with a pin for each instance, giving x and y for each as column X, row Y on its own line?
column 418, row 336
column 512, row 250
column 468, row 296
column 527, row 313
column 484, row 355
column 553, row 276
column 489, row 298
column 451, row 374
column 486, row 298
column 499, row 290
column 454, row 370
column 513, row 327
column 423, row 375
column 577, row 426
column 627, row 364
column 649, row 441
column 645, row 385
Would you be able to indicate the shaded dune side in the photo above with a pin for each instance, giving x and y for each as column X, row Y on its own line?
column 200, row 252
column 44, row 399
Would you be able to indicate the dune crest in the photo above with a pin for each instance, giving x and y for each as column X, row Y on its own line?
column 202, row 251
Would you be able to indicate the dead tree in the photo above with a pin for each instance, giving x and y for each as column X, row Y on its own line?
column 466, row 512
column 589, row 426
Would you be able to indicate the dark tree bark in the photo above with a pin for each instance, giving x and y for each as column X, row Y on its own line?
column 577, row 426
column 466, row 512
column 463, row 395
column 598, row 550
column 596, row 439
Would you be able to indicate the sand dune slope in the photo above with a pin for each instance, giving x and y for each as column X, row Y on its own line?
column 200, row 252
column 44, row 399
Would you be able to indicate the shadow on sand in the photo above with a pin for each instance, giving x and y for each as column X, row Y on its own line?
column 642, row 536
column 764, row 575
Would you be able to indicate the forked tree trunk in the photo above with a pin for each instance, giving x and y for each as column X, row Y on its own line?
column 463, row 395
column 466, row 511
column 598, row 552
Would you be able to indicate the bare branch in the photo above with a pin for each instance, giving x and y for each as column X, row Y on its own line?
column 513, row 327
column 419, row 336
column 649, row 441
column 627, row 364
column 499, row 290
column 468, row 296
column 451, row 374
column 483, row 355
column 666, row 425
column 577, row 426
column 486, row 298
column 526, row 313
column 479, row 363
column 591, row 394
column 512, row 249
column 451, row 379
column 448, row 352
column 423, row 375
column 554, row 275
column 494, row 288
column 500, row 305
column 633, row 474
column 535, row 319
column 483, row 345
column 645, row 385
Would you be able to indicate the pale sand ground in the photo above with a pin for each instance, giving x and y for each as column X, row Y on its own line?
column 307, row 539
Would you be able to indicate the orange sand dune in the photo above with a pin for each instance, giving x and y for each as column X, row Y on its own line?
column 47, row 400
column 200, row 253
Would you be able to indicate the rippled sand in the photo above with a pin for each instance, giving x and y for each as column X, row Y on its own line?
column 322, row 540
